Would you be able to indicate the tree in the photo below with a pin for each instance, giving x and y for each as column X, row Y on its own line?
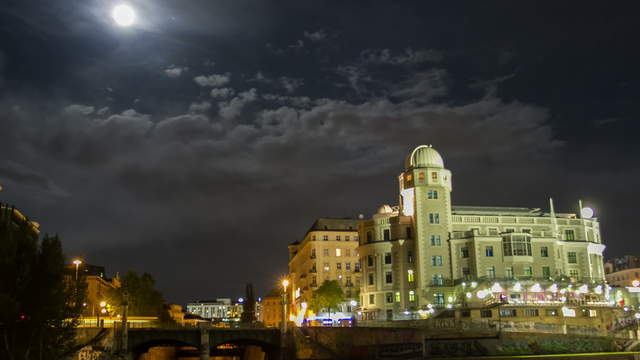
column 328, row 296
column 143, row 298
column 39, row 304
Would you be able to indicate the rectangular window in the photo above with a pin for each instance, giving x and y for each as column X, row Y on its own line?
column 569, row 235
column 313, row 268
column 347, row 266
column 371, row 279
column 572, row 257
column 397, row 297
column 372, row 299
column 410, row 257
column 488, row 251
column 508, row 272
column 508, row 312
column 528, row 271
column 338, row 252
column 356, row 267
column 326, row 267
column 465, row 252
column 546, row 272
column 434, row 176
column 369, row 237
column 466, row 271
column 438, row 299
column 410, row 276
column 437, row 279
column 389, row 297
column 369, row 260
column 313, row 253
column 338, row 266
column 356, row 238
column 387, row 258
column 435, row 240
column 412, row 295
column 421, row 176
column 526, row 231
column 436, row 260
column 386, row 235
column 432, row 194
column 544, row 251
column 313, row 238
column 574, row 273
column 388, row 277
column 531, row 312
column 409, row 233
column 347, row 252
column 434, row 218
column 325, row 252
column 348, row 280
column 325, row 237
column 347, row 238
column 509, row 230
column 486, row 313
column 491, row 272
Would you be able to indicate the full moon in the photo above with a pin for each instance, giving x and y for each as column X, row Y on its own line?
column 587, row 213
column 123, row 15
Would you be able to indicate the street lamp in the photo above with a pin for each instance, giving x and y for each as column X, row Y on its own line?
column 103, row 310
column 285, row 283
column 77, row 263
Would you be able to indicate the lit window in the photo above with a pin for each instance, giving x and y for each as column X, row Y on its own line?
column 572, row 257
column 436, row 260
column 435, row 240
column 412, row 295
column 434, row 218
column 421, row 176
column 325, row 252
column 397, row 297
column 491, row 272
column 326, row 267
column 409, row 177
column 432, row 194
column 434, row 176
column 338, row 252
column 410, row 276
column 488, row 251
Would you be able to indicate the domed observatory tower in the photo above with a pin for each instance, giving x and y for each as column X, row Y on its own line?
column 425, row 195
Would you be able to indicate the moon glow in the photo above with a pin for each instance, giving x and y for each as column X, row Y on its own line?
column 123, row 15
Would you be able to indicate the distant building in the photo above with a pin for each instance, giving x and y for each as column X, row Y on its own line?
column 271, row 315
column 219, row 310
column 99, row 286
column 623, row 271
column 328, row 251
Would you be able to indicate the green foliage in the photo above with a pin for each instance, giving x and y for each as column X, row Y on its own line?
column 143, row 298
column 328, row 296
column 39, row 304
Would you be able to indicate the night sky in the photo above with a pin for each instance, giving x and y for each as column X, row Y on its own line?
column 201, row 141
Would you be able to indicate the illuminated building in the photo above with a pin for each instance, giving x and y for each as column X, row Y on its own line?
column 99, row 286
column 623, row 271
column 328, row 251
column 425, row 254
column 271, row 315
column 219, row 310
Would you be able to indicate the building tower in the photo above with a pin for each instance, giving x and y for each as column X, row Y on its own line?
column 425, row 195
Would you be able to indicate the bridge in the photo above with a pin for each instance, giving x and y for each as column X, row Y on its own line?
column 206, row 341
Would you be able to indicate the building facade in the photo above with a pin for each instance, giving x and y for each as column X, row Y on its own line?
column 427, row 254
column 328, row 251
column 623, row 271
column 271, row 315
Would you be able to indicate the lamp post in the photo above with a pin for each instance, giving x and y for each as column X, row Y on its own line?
column 77, row 263
column 285, row 283
column 102, row 310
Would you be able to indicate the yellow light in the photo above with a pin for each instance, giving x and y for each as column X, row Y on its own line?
column 104, row 311
column 635, row 283
column 285, row 283
column 77, row 262
column 103, row 303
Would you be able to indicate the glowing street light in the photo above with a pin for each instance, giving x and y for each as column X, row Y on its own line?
column 77, row 263
column 285, row 283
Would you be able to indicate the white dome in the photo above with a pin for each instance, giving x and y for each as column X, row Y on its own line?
column 385, row 209
column 424, row 156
